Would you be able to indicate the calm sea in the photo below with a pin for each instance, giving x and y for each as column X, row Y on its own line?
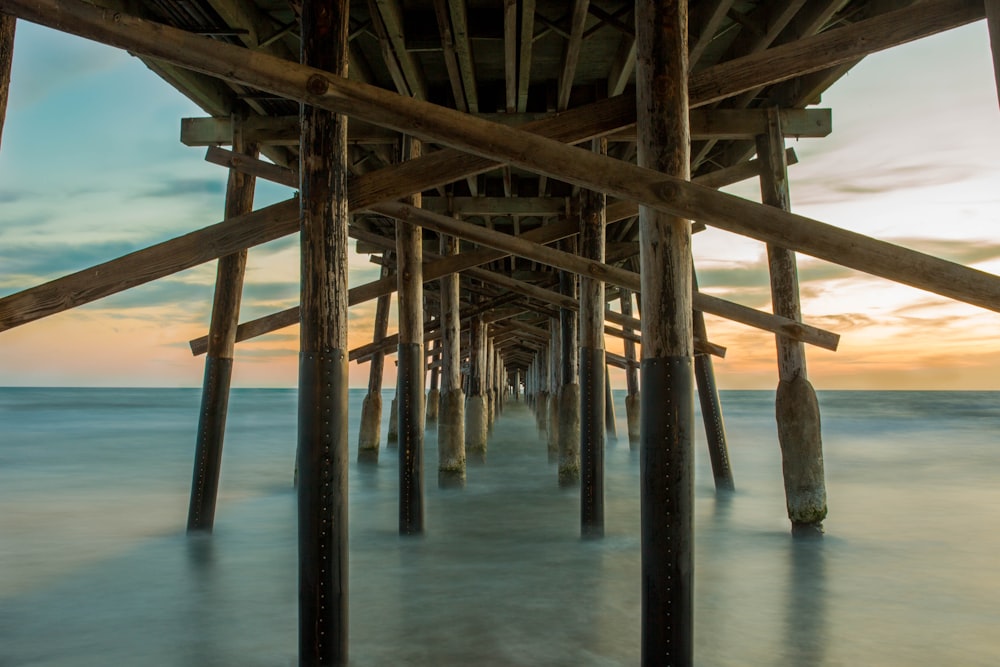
column 95, row 568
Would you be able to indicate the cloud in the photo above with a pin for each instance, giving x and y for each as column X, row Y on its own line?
column 174, row 187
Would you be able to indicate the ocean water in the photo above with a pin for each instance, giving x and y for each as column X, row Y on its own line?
column 95, row 568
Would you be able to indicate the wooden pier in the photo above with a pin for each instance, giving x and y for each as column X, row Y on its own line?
column 531, row 176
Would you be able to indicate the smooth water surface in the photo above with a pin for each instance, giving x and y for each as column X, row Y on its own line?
column 95, row 568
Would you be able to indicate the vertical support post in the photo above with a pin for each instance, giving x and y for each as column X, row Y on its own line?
column 8, row 26
column 667, row 403
column 542, row 390
column 631, row 376
column 796, row 407
column 593, row 367
column 434, row 394
column 411, row 373
column 711, row 407
column 555, row 384
column 569, row 391
column 609, row 408
column 451, row 426
column 322, row 437
column 221, row 347
column 491, row 401
column 370, row 432
column 476, row 409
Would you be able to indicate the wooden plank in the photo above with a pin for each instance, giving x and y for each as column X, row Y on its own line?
column 392, row 36
column 622, row 66
column 524, row 57
column 571, row 53
column 510, row 49
column 7, row 29
column 463, row 48
column 450, row 56
column 273, row 131
column 748, row 123
column 712, row 19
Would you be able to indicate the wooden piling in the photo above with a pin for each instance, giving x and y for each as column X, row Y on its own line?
column 610, row 425
column 476, row 426
column 555, row 384
column 434, row 393
column 711, row 408
column 221, row 348
column 392, row 437
column 667, row 403
column 796, row 407
column 542, row 391
column 631, row 376
column 322, row 438
column 569, row 391
column 451, row 420
column 8, row 26
column 370, row 432
column 593, row 368
column 410, row 373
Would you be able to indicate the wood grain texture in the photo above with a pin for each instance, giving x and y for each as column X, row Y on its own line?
column 8, row 26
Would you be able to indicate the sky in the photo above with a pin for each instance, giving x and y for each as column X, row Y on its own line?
column 91, row 167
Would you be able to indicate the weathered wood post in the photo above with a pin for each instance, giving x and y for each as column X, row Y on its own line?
column 542, row 391
column 993, row 25
column 410, row 373
column 322, row 438
column 491, row 400
column 221, row 348
column 609, row 408
column 569, row 393
column 631, row 376
column 593, row 368
column 8, row 26
column 392, row 437
column 667, row 402
column 555, row 387
column 370, row 432
column 711, row 407
column 434, row 394
column 451, row 420
column 796, row 407
column 476, row 416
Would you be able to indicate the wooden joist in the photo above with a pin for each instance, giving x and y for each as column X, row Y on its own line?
column 705, row 124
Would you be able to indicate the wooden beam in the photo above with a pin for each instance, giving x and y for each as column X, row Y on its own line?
column 571, row 53
column 993, row 20
column 387, row 19
column 622, row 66
column 7, row 29
column 463, row 49
column 712, row 18
column 748, row 123
column 273, row 131
column 450, row 56
column 524, row 57
column 510, row 49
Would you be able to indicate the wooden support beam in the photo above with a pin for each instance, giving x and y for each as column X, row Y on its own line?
column 450, row 56
column 370, row 430
column 571, row 53
column 463, row 49
column 712, row 16
column 527, row 41
column 221, row 349
column 993, row 21
column 7, row 29
column 510, row 48
column 748, row 123
column 586, row 267
column 622, row 66
column 273, row 131
column 387, row 19
column 451, row 422
column 322, row 433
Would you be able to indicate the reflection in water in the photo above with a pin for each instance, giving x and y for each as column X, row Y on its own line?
column 806, row 628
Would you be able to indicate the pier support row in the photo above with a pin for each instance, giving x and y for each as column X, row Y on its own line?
column 370, row 433
column 476, row 406
column 322, row 438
